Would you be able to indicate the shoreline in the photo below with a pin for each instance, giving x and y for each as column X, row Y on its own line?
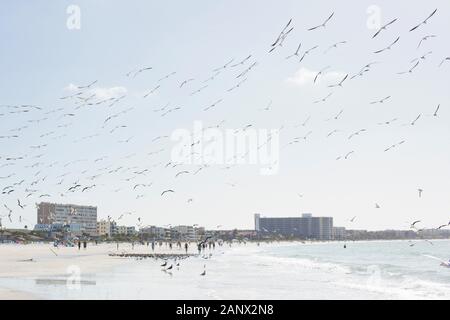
column 309, row 270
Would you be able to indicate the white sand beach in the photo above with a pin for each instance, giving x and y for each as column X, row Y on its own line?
column 41, row 261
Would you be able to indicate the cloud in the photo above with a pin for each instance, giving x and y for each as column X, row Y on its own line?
column 108, row 93
column 305, row 76
column 100, row 93
column 71, row 88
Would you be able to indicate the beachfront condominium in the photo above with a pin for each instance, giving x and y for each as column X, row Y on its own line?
column 106, row 228
column 68, row 214
column 306, row 226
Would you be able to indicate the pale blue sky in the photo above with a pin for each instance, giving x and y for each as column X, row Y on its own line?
column 41, row 57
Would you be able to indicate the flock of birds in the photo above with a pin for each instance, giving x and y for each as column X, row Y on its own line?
column 48, row 178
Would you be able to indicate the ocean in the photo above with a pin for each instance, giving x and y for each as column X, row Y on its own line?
column 363, row 270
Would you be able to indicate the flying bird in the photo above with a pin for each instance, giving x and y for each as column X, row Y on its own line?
column 320, row 73
column 295, row 53
column 420, row 192
column 383, row 28
column 323, row 24
column 340, row 82
column 425, row 39
column 437, row 110
column 424, row 21
column 444, row 60
column 413, row 225
column 166, row 191
column 389, row 46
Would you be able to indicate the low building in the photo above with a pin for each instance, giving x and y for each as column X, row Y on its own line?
column 184, row 233
column 106, row 228
column 154, row 233
column 125, row 230
column 339, row 233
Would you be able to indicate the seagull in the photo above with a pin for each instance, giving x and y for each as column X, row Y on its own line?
column 295, row 53
column 319, row 73
column 282, row 33
column 323, row 99
column 180, row 173
column 339, row 84
column 420, row 192
column 437, row 110
column 414, row 122
column 20, row 205
column 353, row 219
column 332, row 132
column 425, row 39
column 307, row 52
column 389, row 46
column 7, row 208
column 377, row 206
column 445, row 59
column 422, row 57
column 348, row 154
column 334, row 46
column 186, row 81
column 323, row 24
column 381, row 101
column 242, row 62
column 87, row 86
column 424, row 21
column 413, row 225
column 281, row 38
column 394, row 146
column 383, row 28
column 411, row 69
column 356, row 133
column 337, row 116
column 166, row 191
column 87, row 188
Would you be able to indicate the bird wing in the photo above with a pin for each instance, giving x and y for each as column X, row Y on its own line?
column 432, row 14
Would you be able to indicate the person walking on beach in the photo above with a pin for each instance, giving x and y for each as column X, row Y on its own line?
column 153, row 245
column 186, row 247
column 84, row 245
column 117, row 244
column 79, row 245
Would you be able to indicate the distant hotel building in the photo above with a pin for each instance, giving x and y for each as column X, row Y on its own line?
column 106, row 228
column 85, row 217
column 306, row 226
column 109, row 228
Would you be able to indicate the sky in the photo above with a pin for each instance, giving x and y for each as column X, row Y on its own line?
column 55, row 135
